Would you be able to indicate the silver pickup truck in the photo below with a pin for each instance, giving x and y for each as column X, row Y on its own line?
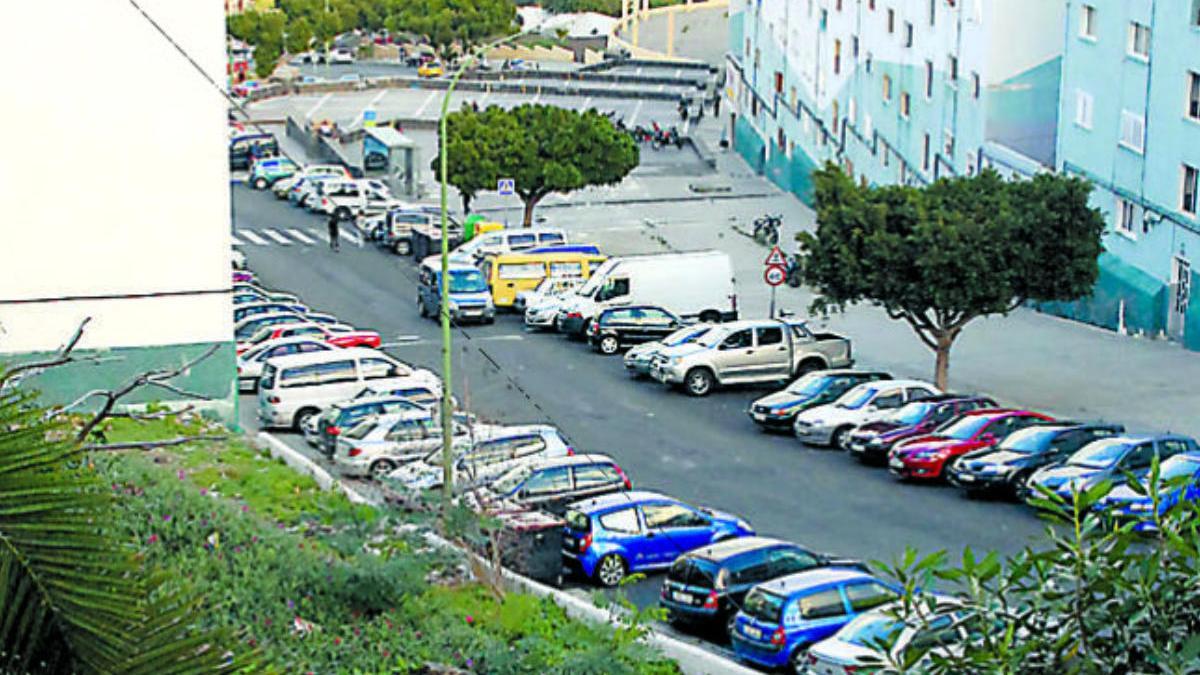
column 746, row 352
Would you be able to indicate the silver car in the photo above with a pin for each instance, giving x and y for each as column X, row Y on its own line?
column 638, row 358
column 380, row 444
column 491, row 454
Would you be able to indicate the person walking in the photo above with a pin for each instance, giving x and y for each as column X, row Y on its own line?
column 334, row 232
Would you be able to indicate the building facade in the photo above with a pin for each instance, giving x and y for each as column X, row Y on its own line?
column 116, row 201
column 1130, row 123
column 896, row 91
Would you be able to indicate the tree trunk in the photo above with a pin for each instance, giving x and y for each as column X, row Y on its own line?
column 466, row 200
column 941, row 370
column 530, row 202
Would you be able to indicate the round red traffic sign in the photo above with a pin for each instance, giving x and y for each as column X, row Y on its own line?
column 774, row 275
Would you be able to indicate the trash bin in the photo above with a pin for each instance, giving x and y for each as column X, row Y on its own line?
column 531, row 544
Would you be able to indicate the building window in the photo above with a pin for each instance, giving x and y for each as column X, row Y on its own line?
column 1195, row 13
column 793, row 98
column 871, row 5
column 953, row 69
column 757, row 57
column 852, row 112
column 908, row 34
column 854, row 46
column 891, row 21
column 747, row 47
column 948, row 143
column 932, row 12
column 837, row 57
column 1125, row 217
column 1133, row 131
column 887, row 88
column 1083, row 108
column 883, row 157
column 838, row 4
column 1193, row 97
column 781, row 138
column 1139, row 40
column 1188, row 201
column 929, row 79
column 905, row 105
column 778, row 82
column 925, row 154
column 836, row 120
column 868, row 127
column 975, row 85
column 824, row 19
column 870, row 60
column 1087, row 22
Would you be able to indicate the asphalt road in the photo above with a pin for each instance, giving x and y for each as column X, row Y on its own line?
column 702, row 450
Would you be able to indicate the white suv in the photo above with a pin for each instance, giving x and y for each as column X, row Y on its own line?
column 349, row 198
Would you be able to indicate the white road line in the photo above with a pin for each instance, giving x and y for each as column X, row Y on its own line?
column 379, row 97
column 586, row 103
column 235, row 240
column 685, row 127
column 637, row 109
column 312, row 111
column 320, row 234
column 276, row 236
column 425, row 104
column 253, row 238
column 353, row 239
column 300, row 235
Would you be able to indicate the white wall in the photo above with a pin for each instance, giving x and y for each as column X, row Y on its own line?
column 113, row 173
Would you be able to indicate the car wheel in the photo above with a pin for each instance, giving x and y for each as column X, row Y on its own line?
column 710, row 316
column 808, row 366
column 699, row 381
column 342, row 213
column 611, row 570
column 609, row 345
column 260, row 183
column 730, row 624
column 798, row 663
column 838, row 440
column 302, row 417
column 381, row 468
column 421, row 308
column 402, row 247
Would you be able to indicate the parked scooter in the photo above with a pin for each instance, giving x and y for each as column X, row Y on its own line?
column 766, row 229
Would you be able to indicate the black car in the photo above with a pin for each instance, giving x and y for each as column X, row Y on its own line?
column 1009, row 464
column 618, row 327
column 705, row 588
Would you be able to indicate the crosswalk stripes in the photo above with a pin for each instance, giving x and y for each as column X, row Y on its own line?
column 288, row 236
column 277, row 237
column 235, row 240
column 251, row 237
column 300, row 235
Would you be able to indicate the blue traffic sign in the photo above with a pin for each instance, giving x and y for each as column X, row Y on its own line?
column 506, row 186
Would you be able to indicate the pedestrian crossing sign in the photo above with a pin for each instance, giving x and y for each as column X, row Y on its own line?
column 506, row 186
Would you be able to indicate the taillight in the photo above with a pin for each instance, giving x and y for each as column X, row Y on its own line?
column 778, row 637
column 850, row 669
column 239, row 369
column 324, row 201
column 628, row 484
column 711, row 601
column 273, row 400
column 574, row 315
column 570, row 452
column 585, row 543
column 354, row 452
column 332, row 430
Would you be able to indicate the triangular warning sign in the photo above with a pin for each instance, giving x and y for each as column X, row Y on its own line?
column 775, row 257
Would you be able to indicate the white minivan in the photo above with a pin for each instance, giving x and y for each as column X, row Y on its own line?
column 696, row 286
column 293, row 388
column 508, row 241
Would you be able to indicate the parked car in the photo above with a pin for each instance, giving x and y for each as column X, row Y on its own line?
column 241, row 297
column 247, row 148
column 499, row 242
column 706, row 587
column 253, row 308
column 619, row 327
column 1179, row 482
column 552, row 484
column 378, row 445
column 750, row 352
column 549, row 287
column 488, row 458
column 282, row 187
column 348, row 198
column 469, row 296
column 293, row 388
column 542, row 312
column 341, row 56
column 639, row 357
column 876, row 637
column 265, row 172
column 250, row 363
column 871, row 442
column 608, row 537
column 344, row 415
column 305, row 191
column 778, row 411
column 246, row 328
column 1015, row 458
column 338, row 335
column 1106, row 459
column 783, row 618
column 831, row 424
column 243, row 288
column 928, row 457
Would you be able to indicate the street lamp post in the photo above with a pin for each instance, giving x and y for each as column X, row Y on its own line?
column 444, row 303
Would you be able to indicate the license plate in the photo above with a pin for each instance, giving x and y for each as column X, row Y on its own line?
column 857, row 447
column 966, row 477
column 896, row 463
column 685, row 598
column 760, row 417
column 752, row 631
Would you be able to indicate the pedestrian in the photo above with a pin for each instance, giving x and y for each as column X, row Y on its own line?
column 717, row 106
column 334, row 232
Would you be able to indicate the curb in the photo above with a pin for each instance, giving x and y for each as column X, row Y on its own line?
column 691, row 658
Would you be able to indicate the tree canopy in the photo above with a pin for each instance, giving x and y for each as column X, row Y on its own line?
column 544, row 149
column 941, row 256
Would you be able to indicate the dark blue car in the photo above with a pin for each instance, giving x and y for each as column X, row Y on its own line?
column 1107, row 459
column 1179, row 481
column 608, row 537
column 781, row 619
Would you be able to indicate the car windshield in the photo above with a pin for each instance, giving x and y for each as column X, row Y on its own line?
column 1029, row 441
column 467, row 281
column 684, row 336
column 1178, row 467
column 1100, row 454
column 810, row 385
column 872, row 630
column 965, row 428
column 856, row 398
column 910, row 414
column 764, row 606
column 511, row 480
column 691, row 572
column 579, row 521
column 360, row 430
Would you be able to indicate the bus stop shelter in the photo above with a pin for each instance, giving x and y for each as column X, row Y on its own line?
column 393, row 157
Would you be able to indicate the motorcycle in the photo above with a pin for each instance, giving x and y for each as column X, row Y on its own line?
column 766, row 229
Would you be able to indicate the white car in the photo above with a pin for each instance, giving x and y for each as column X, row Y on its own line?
column 492, row 453
column 250, row 363
column 341, row 56
column 831, row 424
column 378, row 445
column 282, row 186
column 239, row 260
column 350, row 198
column 856, row 646
column 547, row 288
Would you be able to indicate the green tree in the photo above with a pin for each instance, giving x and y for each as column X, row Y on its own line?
column 545, row 149
column 73, row 598
column 266, row 57
column 941, row 256
column 455, row 24
column 299, row 35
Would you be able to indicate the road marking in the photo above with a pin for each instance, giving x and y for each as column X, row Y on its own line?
column 639, row 71
column 312, row 111
column 378, row 98
column 320, row 234
column 586, row 101
column 425, row 104
column 235, row 240
column 637, row 109
column 678, row 72
column 253, row 238
column 300, row 235
column 350, row 237
column 483, row 99
column 277, row 237
column 536, row 97
column 685, row 127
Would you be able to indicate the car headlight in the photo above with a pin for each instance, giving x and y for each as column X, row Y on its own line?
column 743, row 524
column 674, row 360
column 875, row 442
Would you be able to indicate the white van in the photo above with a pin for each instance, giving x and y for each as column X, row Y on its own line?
column 695, row 285
column 508, row 241
column 293, row 388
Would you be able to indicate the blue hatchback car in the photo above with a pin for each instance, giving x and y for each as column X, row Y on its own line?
column 1179, row 481
column 781, row 619
column 611, row 536
column 1108, row 459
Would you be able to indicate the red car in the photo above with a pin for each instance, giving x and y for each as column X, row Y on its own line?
column 341, row 336
column 927, row 457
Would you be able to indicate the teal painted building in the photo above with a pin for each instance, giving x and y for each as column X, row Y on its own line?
column 1130, row 122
